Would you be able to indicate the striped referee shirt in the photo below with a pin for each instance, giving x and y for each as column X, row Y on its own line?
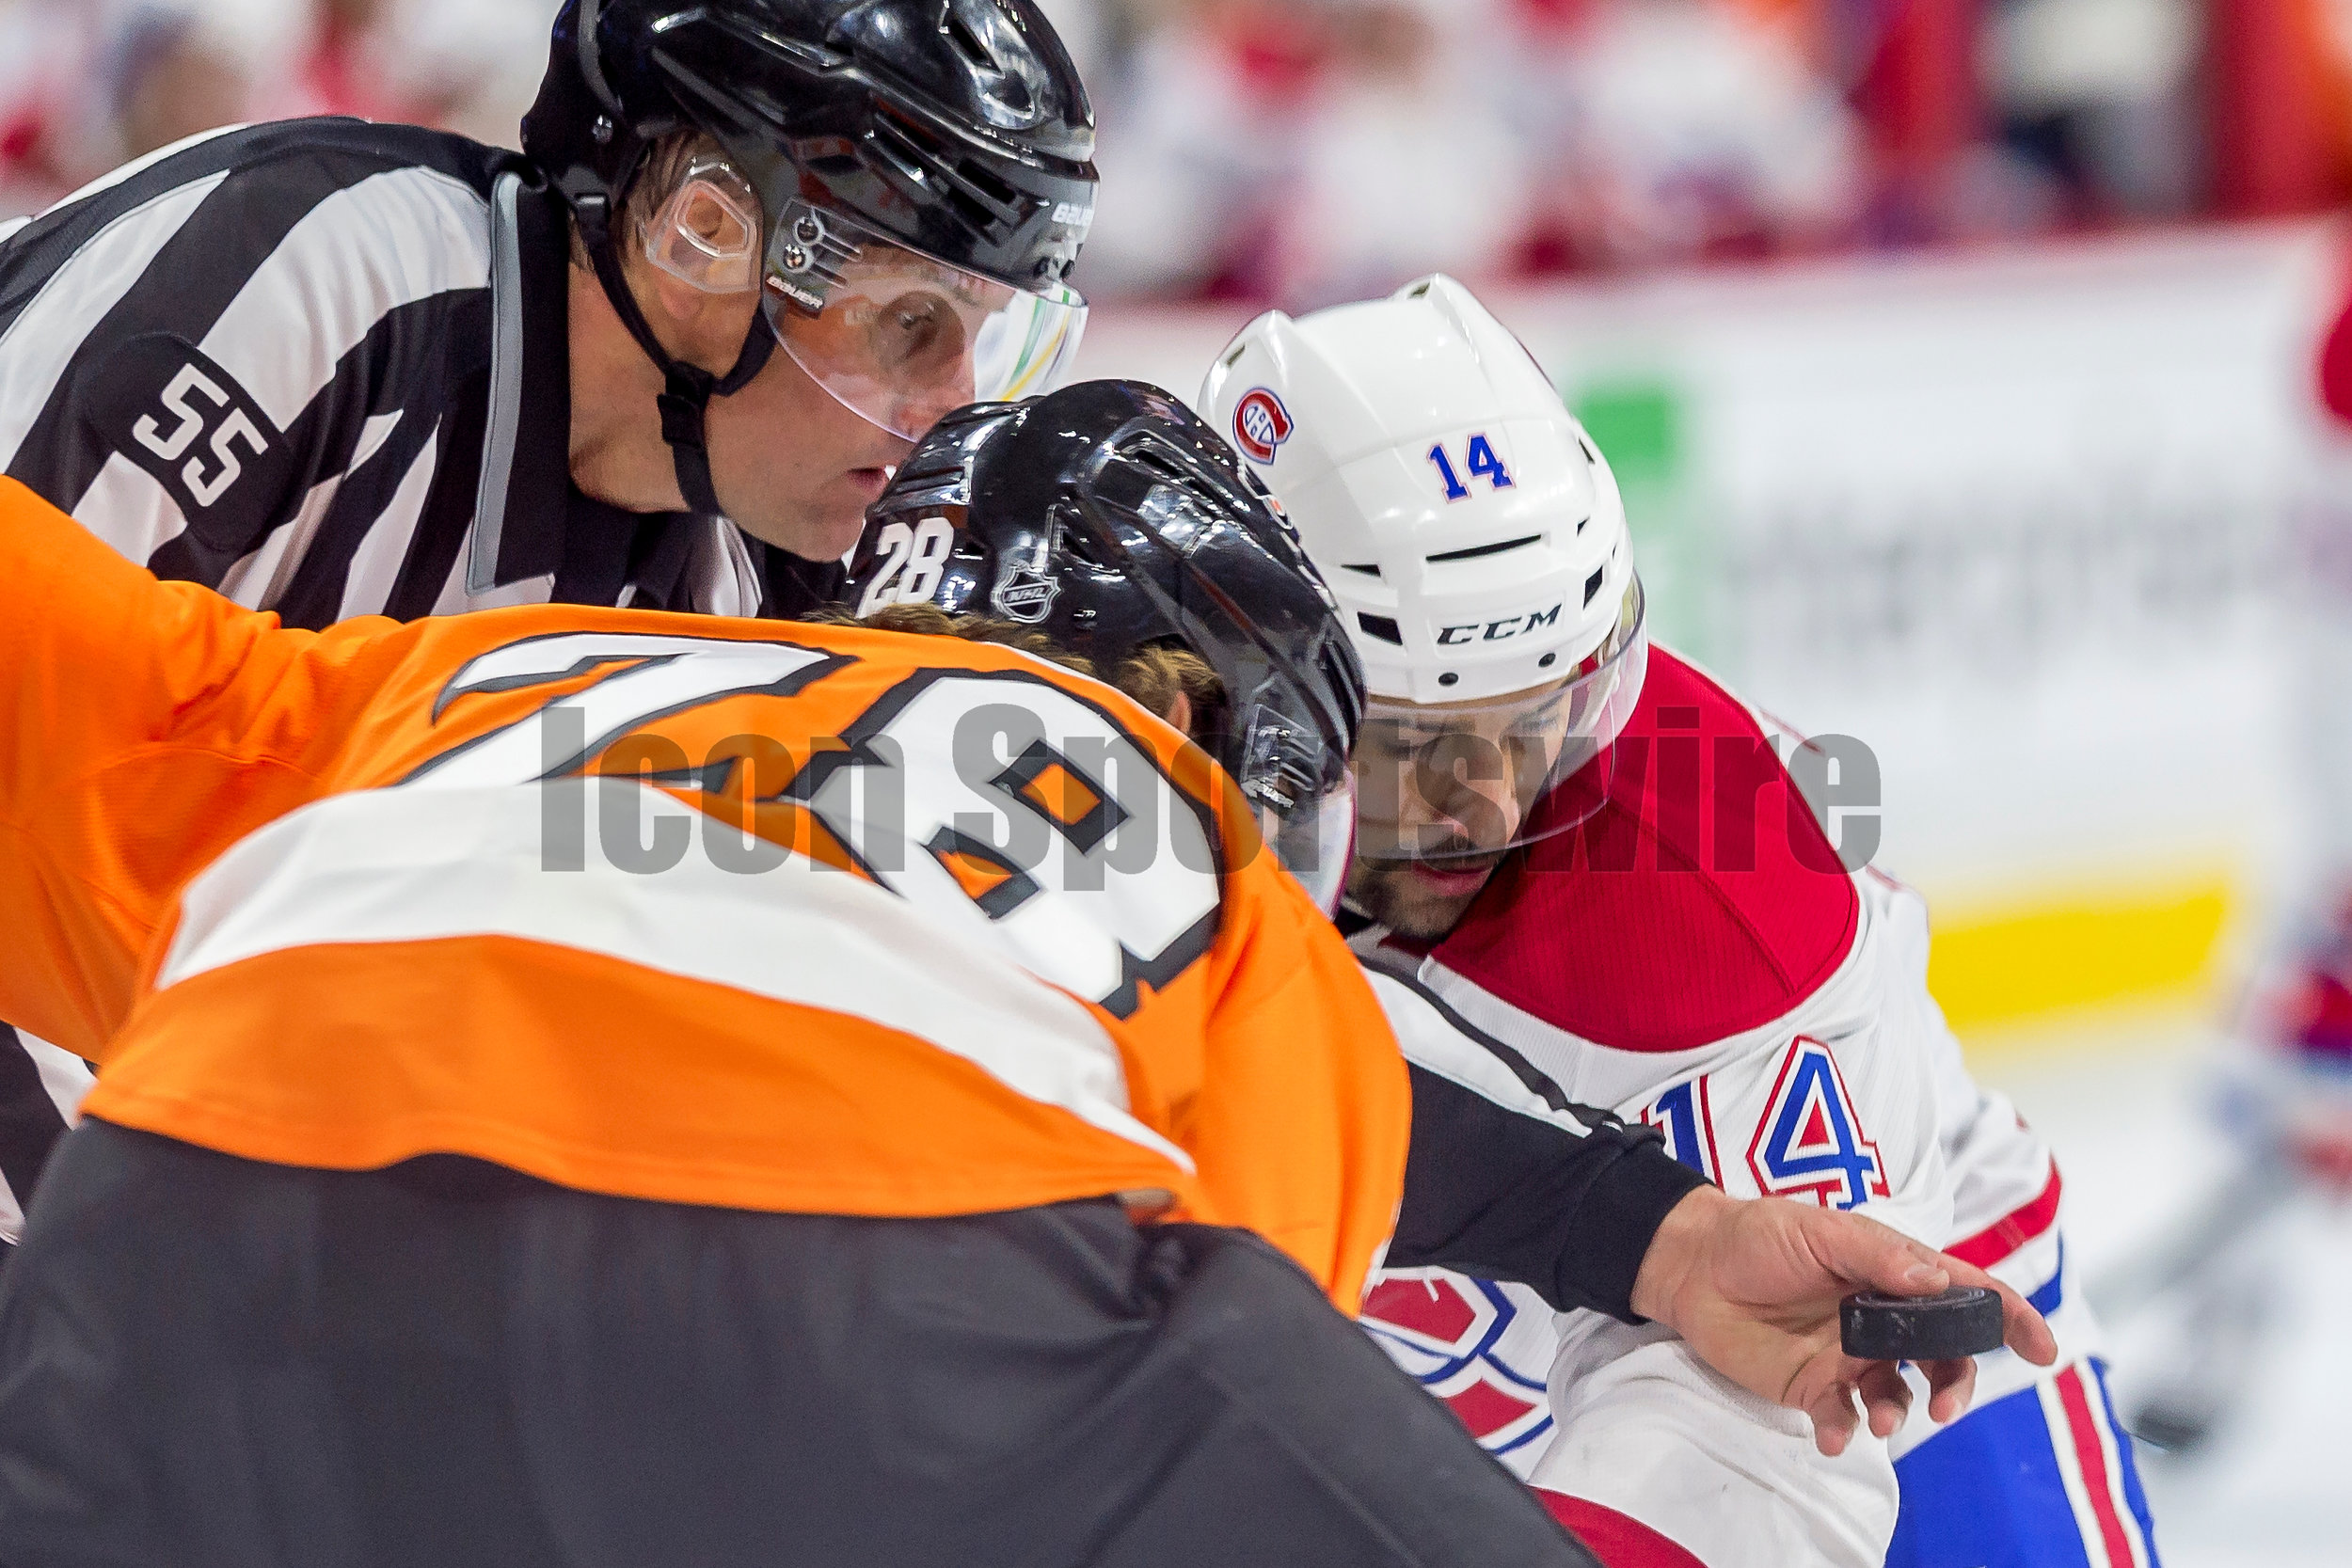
column 322, row 367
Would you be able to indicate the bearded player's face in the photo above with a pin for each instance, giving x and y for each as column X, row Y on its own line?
column 1416, row 899
column 1439, row 801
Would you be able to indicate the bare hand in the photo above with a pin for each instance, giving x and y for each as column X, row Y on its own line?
column 1752, row 1286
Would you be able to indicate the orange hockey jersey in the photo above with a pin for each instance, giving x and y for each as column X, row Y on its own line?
column 808, row 919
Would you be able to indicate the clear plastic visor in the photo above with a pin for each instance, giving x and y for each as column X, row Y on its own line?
column 901, row 339
column 1315, row 840
column 1462, row 781
column 1296, row 781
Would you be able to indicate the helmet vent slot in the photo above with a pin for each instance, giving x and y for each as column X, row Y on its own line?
column 1158, row 462
column 1592, row 584
column 987, row 184
column 1371, row 571
column 904, row 156
column 1174, row 475
column 969, row 43
column 921, row 157
column 1381, row 626
column 1474, row 551
column 1590, row 455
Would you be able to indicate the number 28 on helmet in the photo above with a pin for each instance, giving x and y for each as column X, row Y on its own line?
column 1111, row 519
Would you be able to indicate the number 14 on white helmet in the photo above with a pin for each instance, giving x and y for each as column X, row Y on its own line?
column 1477, row 546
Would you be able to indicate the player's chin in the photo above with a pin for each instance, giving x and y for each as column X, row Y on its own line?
column 1398, row 895
column 823, row 526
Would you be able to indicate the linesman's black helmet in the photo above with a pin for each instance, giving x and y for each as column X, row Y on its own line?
column 1111, row 518
column 913, row 177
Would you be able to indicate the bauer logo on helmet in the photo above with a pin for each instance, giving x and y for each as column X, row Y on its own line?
column 1261, row 424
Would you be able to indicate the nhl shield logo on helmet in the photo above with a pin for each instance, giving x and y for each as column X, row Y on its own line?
column 1025, row 586
column 1261, row 424
column 1023, row 594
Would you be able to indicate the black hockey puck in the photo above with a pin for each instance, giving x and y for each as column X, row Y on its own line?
column 1965, row 1321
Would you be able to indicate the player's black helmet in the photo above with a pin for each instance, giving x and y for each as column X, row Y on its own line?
column 916, row 178
column 1110, row 518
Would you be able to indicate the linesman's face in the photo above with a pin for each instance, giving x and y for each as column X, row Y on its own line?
column 791, row 464
column 794, row 466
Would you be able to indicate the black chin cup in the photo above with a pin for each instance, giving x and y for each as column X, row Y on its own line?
column 686, row 391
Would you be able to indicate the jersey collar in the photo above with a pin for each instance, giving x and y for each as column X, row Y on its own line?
column 521, row 501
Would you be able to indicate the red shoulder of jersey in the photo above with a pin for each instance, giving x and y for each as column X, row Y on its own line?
column 2335, row 369
column 1700, row 899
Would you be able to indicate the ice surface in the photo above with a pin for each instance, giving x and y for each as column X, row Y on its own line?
column 2127, row 1112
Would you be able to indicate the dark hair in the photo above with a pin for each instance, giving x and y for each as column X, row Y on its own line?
column 1153, row 676
column 656, row 179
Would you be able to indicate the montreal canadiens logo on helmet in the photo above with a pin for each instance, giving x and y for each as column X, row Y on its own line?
column 1261, row 424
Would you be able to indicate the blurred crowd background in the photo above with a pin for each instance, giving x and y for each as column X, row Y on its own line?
column 1300, row 150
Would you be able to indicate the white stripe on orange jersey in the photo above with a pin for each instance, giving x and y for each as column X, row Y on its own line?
column 417, row 864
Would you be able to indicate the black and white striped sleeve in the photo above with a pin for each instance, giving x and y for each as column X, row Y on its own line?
column 1509, row 1180
column 41, row 1088
column 205, row 354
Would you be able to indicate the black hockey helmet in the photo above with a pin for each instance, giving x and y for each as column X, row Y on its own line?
column 911, row 179
column 1109, row 516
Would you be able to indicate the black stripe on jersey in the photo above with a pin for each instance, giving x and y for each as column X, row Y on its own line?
column 30, row 1122
column 35, row 252
column 402, row 364
column 190, row 281
column 1538, row 1083
column 448, row 506
column 314, row 599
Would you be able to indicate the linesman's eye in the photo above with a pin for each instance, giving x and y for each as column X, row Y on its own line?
column 917, row 338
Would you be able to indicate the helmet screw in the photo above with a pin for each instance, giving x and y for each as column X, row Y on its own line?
column 602, row 128
column 1546, row 661
column 808, row 231
column 1449, row 678
column 794, row 258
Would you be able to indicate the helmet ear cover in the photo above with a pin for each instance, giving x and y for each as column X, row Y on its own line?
column 707, row 235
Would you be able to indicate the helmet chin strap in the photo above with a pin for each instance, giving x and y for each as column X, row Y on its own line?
column 687, row 390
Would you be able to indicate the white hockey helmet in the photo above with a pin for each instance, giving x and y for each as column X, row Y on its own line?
column 1473, row 533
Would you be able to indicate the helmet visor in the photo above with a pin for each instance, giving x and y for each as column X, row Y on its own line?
column 1315, row 841
column 1304, row 797
column 1463, row 781
column 901, row 339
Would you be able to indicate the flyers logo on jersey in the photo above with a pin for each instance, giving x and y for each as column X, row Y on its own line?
column 1809, row 1143
column 1261, row 424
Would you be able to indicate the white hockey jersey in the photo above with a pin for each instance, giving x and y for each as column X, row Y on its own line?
column 1694, row 956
